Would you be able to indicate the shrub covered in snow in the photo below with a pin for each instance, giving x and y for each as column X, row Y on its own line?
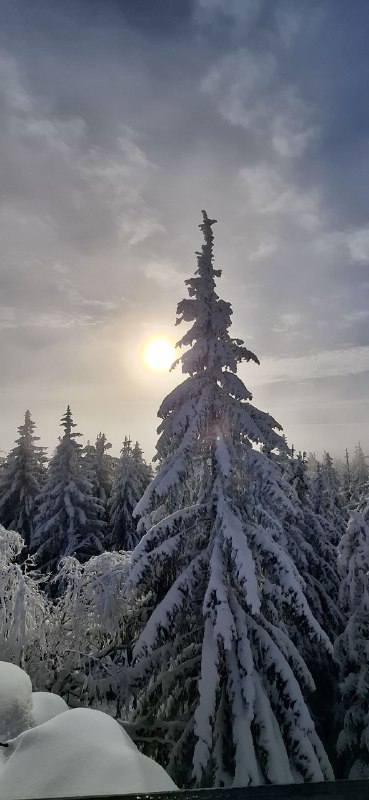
column 24, row 610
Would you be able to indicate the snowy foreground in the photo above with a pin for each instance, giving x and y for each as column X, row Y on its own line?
column 57, row 752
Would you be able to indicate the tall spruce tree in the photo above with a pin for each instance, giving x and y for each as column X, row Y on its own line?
column 359, row 477
column 315, row 554
column 333, row 507
column 21, row 479
column 99, row 468
column 346, row 483
column 352, row 647
column 219, row 684
column 317, row 488
column 144, row 470
column 68, row 519
column 131, row 479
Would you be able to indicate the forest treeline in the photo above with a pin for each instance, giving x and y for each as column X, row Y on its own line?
column 218, row 606
column 79, row 503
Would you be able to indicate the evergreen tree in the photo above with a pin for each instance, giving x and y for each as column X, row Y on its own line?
column 317, row 489
column 68, row 517
column 312, row 464
column 359, row 476
column 346, row 482
column 219, row 683
column 99, row 469
column 320, row 523
column 103, row 469
column 131, row 478
column 333, row 507
column 21, row 479
column 310, row 546
column 144, row 470
column 312, row 550
column 88, row 453
column 352, row 647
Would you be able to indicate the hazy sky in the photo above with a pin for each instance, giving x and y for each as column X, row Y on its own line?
column 119, row 121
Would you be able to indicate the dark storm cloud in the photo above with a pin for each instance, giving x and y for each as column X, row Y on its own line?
column 119, row 121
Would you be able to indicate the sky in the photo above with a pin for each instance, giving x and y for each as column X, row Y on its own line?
column 119, row 121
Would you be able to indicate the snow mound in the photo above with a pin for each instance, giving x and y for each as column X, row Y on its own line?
column 15, row 701
column 79, row 752
column 46, row 705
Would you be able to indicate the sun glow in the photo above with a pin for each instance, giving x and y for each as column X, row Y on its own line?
column 158, row 353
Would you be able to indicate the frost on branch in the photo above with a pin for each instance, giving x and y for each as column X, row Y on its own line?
column 23, row 608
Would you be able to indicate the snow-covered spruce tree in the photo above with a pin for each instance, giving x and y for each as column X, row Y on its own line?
column 2, row 461
column 219, row 685
column 304, row 531
column 346, row 487
column 352, row 647
column 131, row 478
column 317, row 488
column 282, row 503
column 21, row 479
column 359, row 476
column 144, row 470
column 68, row 520
column 333, row 506
column 99, row 468
column 314, row 552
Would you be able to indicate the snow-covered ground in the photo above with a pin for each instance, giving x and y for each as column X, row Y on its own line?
column 54, row 752
column 15, row 701
column 45, row 706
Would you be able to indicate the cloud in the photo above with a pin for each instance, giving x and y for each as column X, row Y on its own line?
column 68, row 289
column 7, row 317
column 263, row 249
column 288, row 322
column 13, row 94
column 138, row 226
column 115, row 133
column 56, row 320
column 324, row 364
column 245, row 12
column 357, row 316
column 163, row 274
column 61, row 178
column 250, row 92
column 271, row 194
column 358, row 245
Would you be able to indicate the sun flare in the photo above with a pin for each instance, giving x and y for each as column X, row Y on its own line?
column 158, row 353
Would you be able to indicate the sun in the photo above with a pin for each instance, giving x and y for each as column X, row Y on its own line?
column 158, row 353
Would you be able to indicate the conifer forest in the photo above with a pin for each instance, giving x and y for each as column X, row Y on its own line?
column 215, row 602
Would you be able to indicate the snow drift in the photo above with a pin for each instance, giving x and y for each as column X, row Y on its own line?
column 79, row 752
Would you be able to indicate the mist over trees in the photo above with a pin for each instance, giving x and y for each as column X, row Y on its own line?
column 217, row 603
